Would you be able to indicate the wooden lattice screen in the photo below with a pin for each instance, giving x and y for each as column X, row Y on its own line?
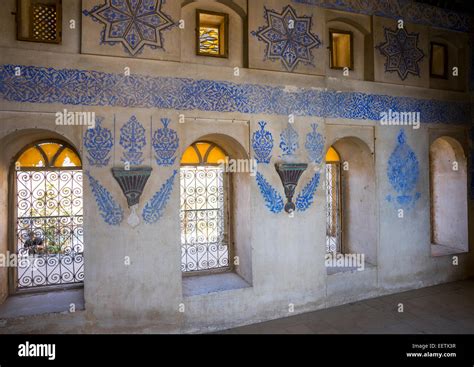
column 39, row 20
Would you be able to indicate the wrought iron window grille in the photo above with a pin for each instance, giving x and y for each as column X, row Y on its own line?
column 49, row 217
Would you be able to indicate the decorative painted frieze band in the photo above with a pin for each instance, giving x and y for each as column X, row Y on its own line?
column 93, row 88
column 409, row 11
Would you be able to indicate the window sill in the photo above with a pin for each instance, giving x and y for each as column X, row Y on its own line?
column 214, row 283
column 338, row 270
column 31, row 304
column 442, row 250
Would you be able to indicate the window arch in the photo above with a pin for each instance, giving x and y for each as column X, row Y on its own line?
column 48, row 215
column 204, row 209
column 448, row 186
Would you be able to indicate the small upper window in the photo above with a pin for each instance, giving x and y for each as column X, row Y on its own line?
column 212, row 33
column 439, row 60
column 341, row 55
column 39, row 20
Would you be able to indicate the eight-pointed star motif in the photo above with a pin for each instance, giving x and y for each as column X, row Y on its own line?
column 133, row 23
column 288, row 37
column 402, row 52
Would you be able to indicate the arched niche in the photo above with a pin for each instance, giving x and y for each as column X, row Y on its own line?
column 456, row 58
column 448, row 189
column 358, row 221
column 362, row 50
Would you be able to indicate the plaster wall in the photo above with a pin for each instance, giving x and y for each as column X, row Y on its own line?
column 281, row 257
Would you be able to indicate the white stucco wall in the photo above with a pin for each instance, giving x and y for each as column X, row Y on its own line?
column 283, row 257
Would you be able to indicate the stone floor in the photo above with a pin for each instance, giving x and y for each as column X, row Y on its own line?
column 442, row 309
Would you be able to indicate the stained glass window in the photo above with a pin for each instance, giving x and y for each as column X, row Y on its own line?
column 204, row 184
column 48, row 155
column 332, row 155
column 202, row 153
column 341, row 49
column 209, row 40
column 212, row 33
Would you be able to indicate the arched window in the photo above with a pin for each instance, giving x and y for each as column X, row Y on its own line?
column 49, row 216
column 205, row 244
column 333, row 201
column 448, row 184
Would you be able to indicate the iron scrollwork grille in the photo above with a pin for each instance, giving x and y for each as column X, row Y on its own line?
column 49, row 227
column 333, row 208
column 204, row 237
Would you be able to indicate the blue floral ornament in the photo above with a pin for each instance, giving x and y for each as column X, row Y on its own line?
column 98, row 143
column 165, row 144
column 262, row 144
